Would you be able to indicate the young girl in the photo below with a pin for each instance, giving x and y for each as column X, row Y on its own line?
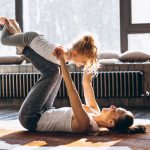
column 82, row 53
column 36, row 113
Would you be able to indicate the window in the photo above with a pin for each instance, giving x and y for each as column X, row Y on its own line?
column 7, row 8
column 139, row 42
column 135, row 25
column 63, row 20
column 140, row 11
column 140, row 15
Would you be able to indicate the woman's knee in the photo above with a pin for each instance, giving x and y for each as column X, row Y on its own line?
column 52, row 71
column 29, row 122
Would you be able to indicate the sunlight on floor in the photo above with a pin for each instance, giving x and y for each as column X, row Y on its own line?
column 19, row 147
column 11, row 125
column 84, row 142
column 37, row 143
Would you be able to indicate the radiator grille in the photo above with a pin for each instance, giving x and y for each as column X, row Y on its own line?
column 120, row 84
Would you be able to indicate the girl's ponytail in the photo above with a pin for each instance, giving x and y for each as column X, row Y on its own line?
column 87, row 43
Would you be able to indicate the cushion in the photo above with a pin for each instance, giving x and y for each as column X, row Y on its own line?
column 5, row 60
column 108, row 55
column 109, row 61
column 134, row 56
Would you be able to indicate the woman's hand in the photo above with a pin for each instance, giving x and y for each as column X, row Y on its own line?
column 58, row 52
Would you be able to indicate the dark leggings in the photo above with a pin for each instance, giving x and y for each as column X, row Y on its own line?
column 43, row 93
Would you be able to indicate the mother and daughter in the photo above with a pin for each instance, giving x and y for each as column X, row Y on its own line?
column 37, row 112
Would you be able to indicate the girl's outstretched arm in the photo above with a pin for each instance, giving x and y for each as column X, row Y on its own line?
column 82, row 121
column 89, row 92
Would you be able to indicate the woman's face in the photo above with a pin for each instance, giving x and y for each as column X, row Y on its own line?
column 112, row 113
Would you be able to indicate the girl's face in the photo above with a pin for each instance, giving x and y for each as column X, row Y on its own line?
column 78, row 59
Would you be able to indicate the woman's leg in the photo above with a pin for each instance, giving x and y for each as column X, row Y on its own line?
column 49, row 103
column 43, row 91
column 1, row 27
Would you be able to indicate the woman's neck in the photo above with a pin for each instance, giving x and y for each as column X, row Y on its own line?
column 99, row 120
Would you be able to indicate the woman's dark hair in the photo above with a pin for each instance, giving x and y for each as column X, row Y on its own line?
column 124, row 125
column 124, row 122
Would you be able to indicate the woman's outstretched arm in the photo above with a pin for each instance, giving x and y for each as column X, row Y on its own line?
column 82, row 121
column 89, row 92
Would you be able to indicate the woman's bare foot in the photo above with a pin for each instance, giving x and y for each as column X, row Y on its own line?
column 10, row 27
column 16, row 25
column 2, row 20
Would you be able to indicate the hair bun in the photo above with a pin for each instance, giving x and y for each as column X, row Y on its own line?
column 137, row 129
column 88, row 42
column 88, row 39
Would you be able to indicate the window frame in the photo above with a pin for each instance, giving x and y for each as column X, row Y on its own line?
column 126, row 25
column 19, row 12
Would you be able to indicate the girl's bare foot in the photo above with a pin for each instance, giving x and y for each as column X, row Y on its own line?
column 16, row 25
column 10, row 27
column 13, row 28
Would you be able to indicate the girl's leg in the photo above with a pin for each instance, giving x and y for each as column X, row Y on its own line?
column 43, row 91
column 20, row 39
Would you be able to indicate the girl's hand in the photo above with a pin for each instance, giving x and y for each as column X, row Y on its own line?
column 58, row 52
column 87, row 77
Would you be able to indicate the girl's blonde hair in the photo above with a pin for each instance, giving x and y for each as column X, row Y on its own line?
column 86, row 46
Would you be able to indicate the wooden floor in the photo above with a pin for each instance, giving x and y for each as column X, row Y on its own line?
column 14, row 136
